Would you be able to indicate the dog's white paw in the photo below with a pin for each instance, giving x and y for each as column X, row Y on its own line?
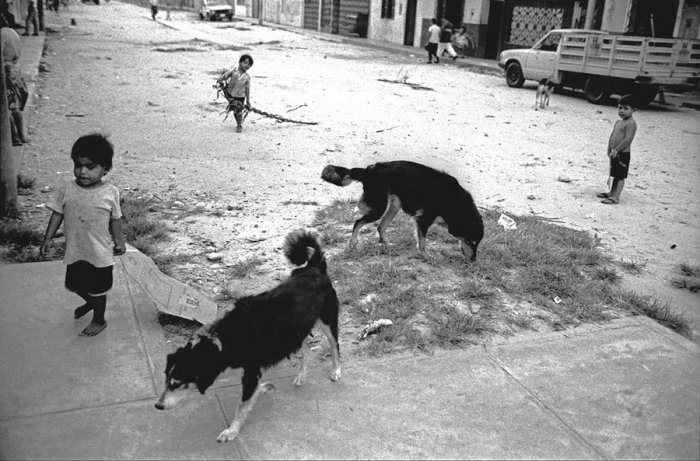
column 227, row 435
column 335, row 374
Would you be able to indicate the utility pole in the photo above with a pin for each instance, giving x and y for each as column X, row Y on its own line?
column 8, row 177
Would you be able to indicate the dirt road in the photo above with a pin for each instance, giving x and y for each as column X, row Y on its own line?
column 149, row 87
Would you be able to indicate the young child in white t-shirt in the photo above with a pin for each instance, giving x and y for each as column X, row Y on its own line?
column 89, row 209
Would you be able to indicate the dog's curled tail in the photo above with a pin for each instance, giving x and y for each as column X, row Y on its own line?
column 296, row 249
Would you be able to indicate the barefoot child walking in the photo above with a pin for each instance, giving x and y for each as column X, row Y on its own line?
column 619, row 149
column 238, row 88
column 89, row 208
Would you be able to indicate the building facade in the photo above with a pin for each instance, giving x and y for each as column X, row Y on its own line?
column 494, row 25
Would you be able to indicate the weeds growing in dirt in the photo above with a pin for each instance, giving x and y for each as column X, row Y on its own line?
column 537, row 275
column 23, row 241
column 688, row 278
column 140, row 229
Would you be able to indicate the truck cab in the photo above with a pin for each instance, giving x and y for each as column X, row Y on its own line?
column 537, row 62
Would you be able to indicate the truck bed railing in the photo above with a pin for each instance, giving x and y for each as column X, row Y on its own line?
column 642, row 58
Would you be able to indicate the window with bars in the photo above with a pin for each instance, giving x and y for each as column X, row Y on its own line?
column 388, row 9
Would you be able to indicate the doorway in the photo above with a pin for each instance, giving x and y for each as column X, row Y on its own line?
column 410, row 30
column 493, row 30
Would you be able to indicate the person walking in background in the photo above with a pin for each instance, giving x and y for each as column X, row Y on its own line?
column 154, row 9
column 445, row 43
column 462, row 42
column 433, row 38
column 167, row 11
column 31, row 19
column 619, row 149
column 89, row 208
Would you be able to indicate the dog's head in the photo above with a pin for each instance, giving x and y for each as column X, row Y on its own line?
column 469, row 231
column 194, row 366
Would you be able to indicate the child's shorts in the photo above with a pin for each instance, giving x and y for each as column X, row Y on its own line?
column 83, row 277
column 237, row 104
column 620, row 165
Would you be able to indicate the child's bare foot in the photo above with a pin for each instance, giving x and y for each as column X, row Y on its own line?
column 93, row 329
column 82, row 310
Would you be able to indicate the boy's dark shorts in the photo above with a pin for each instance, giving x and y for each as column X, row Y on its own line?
column 620, row 165
column 431, row 48
column 83, row 277
column 237, row 104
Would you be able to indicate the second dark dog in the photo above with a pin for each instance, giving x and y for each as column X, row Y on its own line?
column 420, row 191
column 259, row 332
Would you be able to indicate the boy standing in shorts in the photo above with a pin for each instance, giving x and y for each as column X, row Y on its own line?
column 238, row 91
column 619, row 149
column 93, row 229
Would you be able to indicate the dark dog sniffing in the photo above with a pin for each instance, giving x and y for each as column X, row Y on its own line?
column 259, row 332
column 420, row 191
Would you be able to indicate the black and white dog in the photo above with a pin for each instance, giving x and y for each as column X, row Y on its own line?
column 421, row 191
column 259, row 332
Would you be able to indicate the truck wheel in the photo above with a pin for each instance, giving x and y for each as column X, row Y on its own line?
column 230, row 17
column 514, row 75
column 597, row 91
column 201, row 17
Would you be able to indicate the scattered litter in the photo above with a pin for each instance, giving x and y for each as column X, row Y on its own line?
column 507, row 222
column 373, row 327
column 557, row 299
column 673, row 247
column 214, row 257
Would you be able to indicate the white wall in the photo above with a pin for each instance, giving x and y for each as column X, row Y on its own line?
column 476, row 11
column 389, row 30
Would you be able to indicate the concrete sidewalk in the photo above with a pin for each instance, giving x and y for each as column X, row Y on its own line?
column 626, row 390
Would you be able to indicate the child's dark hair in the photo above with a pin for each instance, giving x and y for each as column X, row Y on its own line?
column 434, row 20
column 96, row 147
column 248, row 57
column 628, row 100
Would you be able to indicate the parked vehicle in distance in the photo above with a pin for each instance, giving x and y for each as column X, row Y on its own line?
column 215, row 9
column 601, row 63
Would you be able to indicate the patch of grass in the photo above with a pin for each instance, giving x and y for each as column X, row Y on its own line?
column 606, row 273
column 444, row 300
column 655, row 309
column 166, row 263
column 139, row 226
column 241, row 268
column 23, row 241
column 689, row 278
column 632, row 266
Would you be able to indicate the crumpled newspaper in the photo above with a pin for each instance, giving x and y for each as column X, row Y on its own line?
column 169, row 295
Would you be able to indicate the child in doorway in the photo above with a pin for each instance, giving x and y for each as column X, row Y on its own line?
column 90, row 209
column 238, row 91
column 433, row 38
column 619, row 149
